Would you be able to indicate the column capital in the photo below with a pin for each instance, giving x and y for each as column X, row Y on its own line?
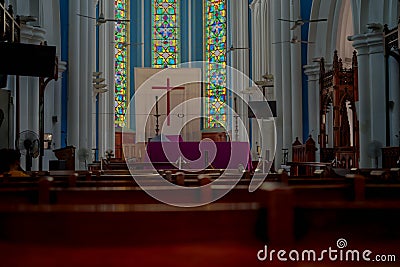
column 62, row 66
column 367, row 43
column 311, row 70
column 33, row 35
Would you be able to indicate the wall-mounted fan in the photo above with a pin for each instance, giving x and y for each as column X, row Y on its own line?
column 28, row 144
column 98, row 86
column 101, row 19
column 301, row 22
column 294, row 40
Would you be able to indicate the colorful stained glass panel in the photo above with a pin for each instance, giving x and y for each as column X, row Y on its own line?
column 215, row 21
column 165, row 38
column 121, row 62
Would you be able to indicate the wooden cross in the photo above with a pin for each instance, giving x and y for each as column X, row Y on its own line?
column 169, row 88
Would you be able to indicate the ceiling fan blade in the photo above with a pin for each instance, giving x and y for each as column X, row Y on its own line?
column 305, row 42
column 84, row 16
column 281, row 42
column 288, row 20
column 118, row 20
column 315, row 20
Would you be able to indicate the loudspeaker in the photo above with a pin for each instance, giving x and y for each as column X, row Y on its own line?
column 27, row 59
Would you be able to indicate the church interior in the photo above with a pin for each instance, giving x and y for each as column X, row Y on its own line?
column 199, row 132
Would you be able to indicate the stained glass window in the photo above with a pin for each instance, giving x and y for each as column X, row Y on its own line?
column 165, row 38
column 121, row 62
column 215, row 23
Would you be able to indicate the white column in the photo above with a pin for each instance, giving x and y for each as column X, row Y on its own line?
column 239, row 60
column 378, row 100
column 371, row 110
column 91, row 58
column 83, row 82
column 111, row 77
column 62, row 67
column 257, row 30
column 296, row 86
column 106, row 100
column 286, row 78
column 33, row 111
column 277, row 57
column 395, row 97
column 312, row 71
column 29, row 89
column 26, row 36
column 73, row 77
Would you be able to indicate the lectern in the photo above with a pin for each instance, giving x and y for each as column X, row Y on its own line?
column 67, row 154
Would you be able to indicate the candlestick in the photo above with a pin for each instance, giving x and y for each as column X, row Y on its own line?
column 156, row 105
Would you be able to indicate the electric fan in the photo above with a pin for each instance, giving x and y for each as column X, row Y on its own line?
column 28, row 144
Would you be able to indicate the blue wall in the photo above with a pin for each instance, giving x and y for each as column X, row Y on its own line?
column 64, row 13
column 306, row 6
column 197, row 30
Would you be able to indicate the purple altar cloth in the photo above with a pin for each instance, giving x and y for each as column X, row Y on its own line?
column 200, row 155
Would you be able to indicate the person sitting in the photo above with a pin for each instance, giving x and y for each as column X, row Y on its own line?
column 10, row 163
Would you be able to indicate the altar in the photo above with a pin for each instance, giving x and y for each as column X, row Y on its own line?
column 193, row 156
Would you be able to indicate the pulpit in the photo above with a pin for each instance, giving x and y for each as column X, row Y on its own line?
column 339, row 95
column 67, row 154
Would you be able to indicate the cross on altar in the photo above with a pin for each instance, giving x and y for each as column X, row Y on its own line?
column 169, row 88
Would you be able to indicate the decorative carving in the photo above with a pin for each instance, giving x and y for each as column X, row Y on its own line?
column 338, row 93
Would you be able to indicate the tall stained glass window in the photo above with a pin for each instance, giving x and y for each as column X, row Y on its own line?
column 215, row 23
column 165, row 38
column 121, row 62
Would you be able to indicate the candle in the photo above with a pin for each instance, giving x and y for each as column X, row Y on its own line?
column 156, row 105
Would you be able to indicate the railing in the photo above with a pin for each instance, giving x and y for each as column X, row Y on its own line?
column 9, row 26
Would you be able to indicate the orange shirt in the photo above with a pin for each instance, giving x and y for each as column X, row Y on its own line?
column 18, row 174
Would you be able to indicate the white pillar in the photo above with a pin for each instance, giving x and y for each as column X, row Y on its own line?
column 239, row 60
column 83, row 82
column 106, row 100
column 286, row 78
column 91, row 58
column 296, row 85
column 73, row 76
column 277, row 57
column 62, row 67
column 29, row 90
column 371, row 110
column 395, row 97
column 33, row 112
column 377, row 74
column 111, row 77
column 312, row 71
column 256, row 39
